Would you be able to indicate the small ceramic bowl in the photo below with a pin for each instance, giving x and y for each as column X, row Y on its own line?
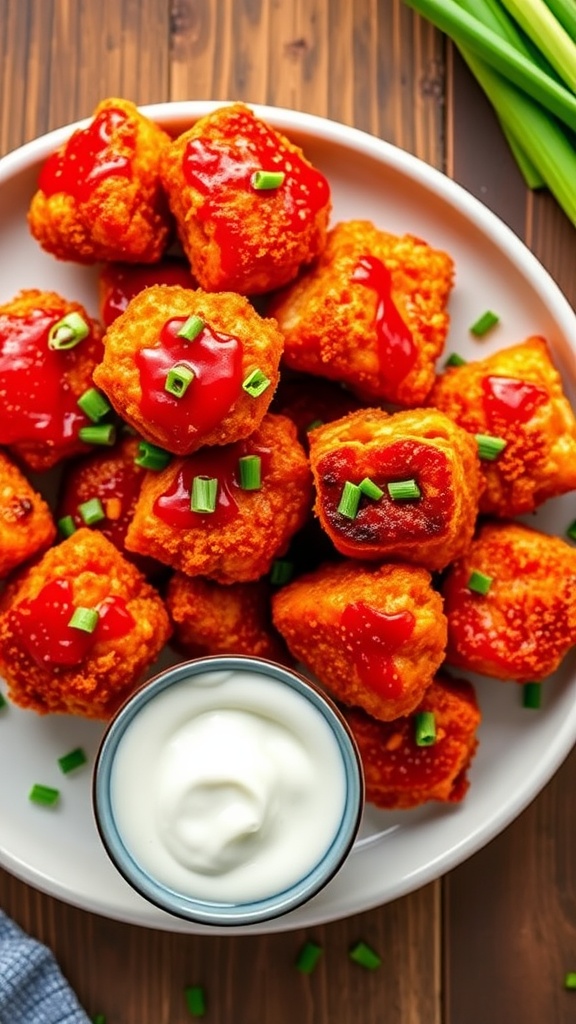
column 228, row 790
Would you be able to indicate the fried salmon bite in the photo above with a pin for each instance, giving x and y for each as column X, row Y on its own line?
column 399, row 770
column 250, row 208
column 226, row 513
column 78, row 629
column 513, row 401
column 371, row 313
column 187, row 369
column 26, row 525
column 396, row 487
column 99, row 196
column 48, row 350
column 211, row 619
column 511, row 603
column 373, row 635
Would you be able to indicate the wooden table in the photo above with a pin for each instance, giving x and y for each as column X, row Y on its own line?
column 492, row 940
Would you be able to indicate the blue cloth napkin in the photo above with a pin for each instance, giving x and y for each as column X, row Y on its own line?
column 32, row 989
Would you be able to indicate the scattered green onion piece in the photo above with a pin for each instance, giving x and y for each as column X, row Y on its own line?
column 455, row 360
column 570, row 980
column 75, row 759
column 314, row 424
column 178, row 380
column 204, row 492
column 571, row 531
column 364, row 955
column 92, row 511
column 250, row 468
column 85, row 619
column 68, row 332
column 350, row 500
column 425, row 729
column 370, row 489
column 100, row 1018
column 66, row 526
column 479, row 582
column 484, row 323
column 403, row 490
column 265, row 180
column 281, row 572
column 150, row 456
column 308, row 957
column 94, row 404
column 45, row 795
column 192, row 327
column 256, row 383
column 489, row 447
column 3, row 701
column 195, row 1000
column 531, row 695
column 101, row 433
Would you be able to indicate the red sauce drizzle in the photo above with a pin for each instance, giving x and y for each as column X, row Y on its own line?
column 36, row 401
column 122, row 281
column 173, row 507
column 396, row 349
column 216, row 360
column 87, row 158
column 373, row 638
column 41, row 625
column 507, row 400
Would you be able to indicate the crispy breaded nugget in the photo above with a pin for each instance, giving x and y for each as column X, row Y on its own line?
column 40, row 385
column 99, row 196
column 401, row 774
column 373, row 635
column 525, row 623
column 120, row 282
column 239, row 237
column 424, row 451
column 227, row 365
column 310, row 402
column 247, row 529
column 371, row 313
column 515, row 395
column 211, row 619
column 26, row 525
column 53, row 666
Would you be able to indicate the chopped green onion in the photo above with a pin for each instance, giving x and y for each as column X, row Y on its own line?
column 75, row 759
column 45, row 795
column 256, row 383
column 66, row 526
column 455, row 360
column 204, row 492
column 425, row 729
column 571, row 531
column 102, row 433
column 100, row 1018
column 349, row 500
column 489, row 447
column 195, row 1000
column 3, row 701
column 403, row 490
column 68, row 332
column 250, row 468
column 267, row 179
column 178, row 380
column 479, row 582
column 94, row 404
column 370, row 489
column 532, row 695
column 91, row 511
column 281, row 572
column 364, row 955
column 484, row 323
column 550, row 37
column 150, row 456
column 570, row 979
column 308, row 957
column 85, row 619
column 314, row 424
column 192, row 327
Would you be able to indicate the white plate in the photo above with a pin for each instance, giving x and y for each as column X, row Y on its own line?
column 58, row 850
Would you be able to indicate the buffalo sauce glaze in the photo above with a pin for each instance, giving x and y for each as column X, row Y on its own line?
column 509, row 401
column 118, row 491
column 40, row 625
column 396, row 349
column 122, row 281
column 87, row 158
column 373, row 637
column 216, row 362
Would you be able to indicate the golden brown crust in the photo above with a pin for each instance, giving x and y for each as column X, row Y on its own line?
column 26, row 524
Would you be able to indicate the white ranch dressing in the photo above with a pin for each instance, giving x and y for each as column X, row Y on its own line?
column 228, row 786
